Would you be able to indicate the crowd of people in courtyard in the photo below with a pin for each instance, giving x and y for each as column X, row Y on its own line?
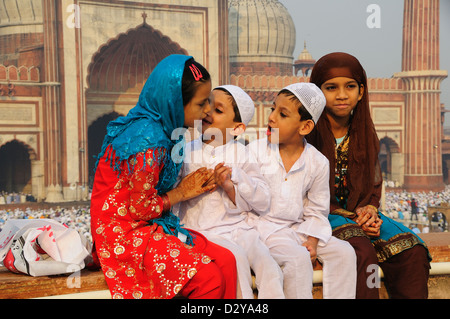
column 399, row 205
column 16, row 198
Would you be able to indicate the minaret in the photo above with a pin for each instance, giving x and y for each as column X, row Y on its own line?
column 422, row 78
column 304, row 63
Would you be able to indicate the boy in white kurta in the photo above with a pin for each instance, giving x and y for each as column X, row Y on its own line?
column 221, row 214
column 296, row 229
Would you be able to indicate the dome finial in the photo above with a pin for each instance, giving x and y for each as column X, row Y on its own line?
column 144, row 16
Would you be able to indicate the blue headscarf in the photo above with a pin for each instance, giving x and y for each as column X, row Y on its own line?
column 149, row 125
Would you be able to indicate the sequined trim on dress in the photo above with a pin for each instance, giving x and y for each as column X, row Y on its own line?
column 384, row 248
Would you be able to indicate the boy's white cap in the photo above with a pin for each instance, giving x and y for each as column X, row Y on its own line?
column 310, row 96
column 243, row 101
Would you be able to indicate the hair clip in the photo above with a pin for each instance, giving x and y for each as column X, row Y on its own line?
column 196, row 72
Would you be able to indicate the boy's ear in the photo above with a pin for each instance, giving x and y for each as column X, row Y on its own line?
column 306, row 128
column 238, row 129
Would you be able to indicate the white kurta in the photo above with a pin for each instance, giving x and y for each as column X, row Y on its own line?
column 223, row 222
column 299, row 209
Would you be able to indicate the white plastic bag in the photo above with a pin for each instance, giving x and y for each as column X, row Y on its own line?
column 42, row 247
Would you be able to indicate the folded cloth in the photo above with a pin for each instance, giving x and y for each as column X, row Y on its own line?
column 42, row 247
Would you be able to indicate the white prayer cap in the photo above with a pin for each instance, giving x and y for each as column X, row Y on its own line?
column 243, row 101
column 310, row 96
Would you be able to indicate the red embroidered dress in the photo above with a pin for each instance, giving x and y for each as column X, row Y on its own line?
column 139, row 260
column 136, row 243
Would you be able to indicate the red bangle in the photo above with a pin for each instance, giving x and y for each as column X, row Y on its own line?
column 166, row 202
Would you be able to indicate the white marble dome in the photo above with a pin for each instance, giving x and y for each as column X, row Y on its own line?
column 260, row 31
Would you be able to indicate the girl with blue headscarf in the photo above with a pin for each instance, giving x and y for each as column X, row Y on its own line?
column 142, row 248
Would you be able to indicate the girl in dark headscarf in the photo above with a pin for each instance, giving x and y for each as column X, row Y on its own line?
column 142, row 248
column 346, row 135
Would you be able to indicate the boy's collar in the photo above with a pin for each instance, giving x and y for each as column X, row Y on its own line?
column 200, row 139
column 299, row 163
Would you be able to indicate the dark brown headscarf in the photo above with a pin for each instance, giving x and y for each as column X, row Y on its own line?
column 363, row 175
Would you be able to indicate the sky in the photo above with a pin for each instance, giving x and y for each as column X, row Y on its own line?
column 341, row 25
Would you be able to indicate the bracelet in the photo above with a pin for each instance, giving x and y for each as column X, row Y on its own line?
column 166, row 202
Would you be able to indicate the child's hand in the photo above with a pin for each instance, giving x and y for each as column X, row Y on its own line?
column 222, row 176
column 311, row 245
column 374, row 229
column 367, row 218
column 366, row 215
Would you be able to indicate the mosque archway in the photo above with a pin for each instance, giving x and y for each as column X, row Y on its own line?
column 120, row 68
column 15, row 167
column 384, row 159
column 125, row 62
column 96, row 134
column 391, row 160
column 117, row 74
column 446, row 168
